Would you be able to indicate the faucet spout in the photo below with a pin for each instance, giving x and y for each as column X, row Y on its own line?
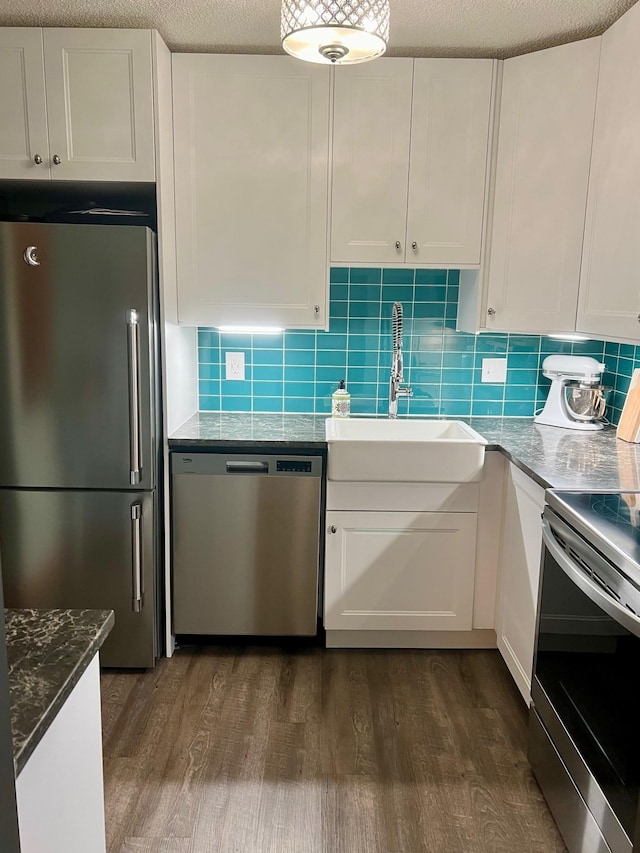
column 396, row 389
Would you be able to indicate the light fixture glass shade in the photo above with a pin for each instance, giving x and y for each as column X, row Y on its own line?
column 342, row 32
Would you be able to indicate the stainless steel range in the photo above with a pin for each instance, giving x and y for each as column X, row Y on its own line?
column 584, row 735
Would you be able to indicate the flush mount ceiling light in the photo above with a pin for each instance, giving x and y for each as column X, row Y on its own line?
column 343, row 32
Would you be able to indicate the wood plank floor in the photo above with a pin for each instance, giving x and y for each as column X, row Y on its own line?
column 265, row 750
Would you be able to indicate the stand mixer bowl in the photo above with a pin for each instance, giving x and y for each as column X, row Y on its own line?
column 587, row 402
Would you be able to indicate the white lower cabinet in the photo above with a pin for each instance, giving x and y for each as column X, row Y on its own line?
column 400, row 570
column 519, row 576
column 60, row 792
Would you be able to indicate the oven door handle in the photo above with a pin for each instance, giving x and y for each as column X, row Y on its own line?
column 591, row 589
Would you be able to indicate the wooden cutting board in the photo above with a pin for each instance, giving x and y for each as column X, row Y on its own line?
column 629, row 426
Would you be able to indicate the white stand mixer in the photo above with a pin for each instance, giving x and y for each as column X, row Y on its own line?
column 584, row 373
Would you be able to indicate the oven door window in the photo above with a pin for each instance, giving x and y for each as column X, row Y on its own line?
column 588, row 666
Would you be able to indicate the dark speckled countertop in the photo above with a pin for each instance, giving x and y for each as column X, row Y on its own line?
column 225, row 429
column 554, row 457
column 47, row 652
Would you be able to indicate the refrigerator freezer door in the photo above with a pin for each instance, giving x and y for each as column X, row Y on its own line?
column 84, row 550
column 77, row 356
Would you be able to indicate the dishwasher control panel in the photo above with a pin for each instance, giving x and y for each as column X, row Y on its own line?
column 242, row 465
column 294, row 466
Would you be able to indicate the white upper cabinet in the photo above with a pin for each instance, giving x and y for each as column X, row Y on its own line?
column 251, row 169
column 609, row 302
column 371, row 137
column 96, row 121
column 447, row 176
column 24, row 143
column 100, row 104
column 547, row 113
column 410, row 142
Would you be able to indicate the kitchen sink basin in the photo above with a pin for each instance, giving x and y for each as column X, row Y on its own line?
column 403, row 451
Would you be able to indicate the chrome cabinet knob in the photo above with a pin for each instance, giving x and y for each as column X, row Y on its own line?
column 398, row 245
column 37, row 159
column 333, row 529
column 316, row 310
column 491, row 311
column 414, row 246
column 638, row 318
column 56, row 160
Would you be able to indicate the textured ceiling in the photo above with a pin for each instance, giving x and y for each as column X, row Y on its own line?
column 418, row 27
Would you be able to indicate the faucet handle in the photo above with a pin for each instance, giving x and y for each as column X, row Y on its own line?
column 404, row 391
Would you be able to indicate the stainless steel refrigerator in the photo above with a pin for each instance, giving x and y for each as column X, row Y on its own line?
column 80, row 426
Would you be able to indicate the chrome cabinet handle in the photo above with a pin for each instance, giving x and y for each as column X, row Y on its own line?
column 414, row 246
column 37, row 159
column 136, row 557
column 56, row 160
column 316, row 310
column 491, row 311
column 135, row 443
column 398, row 245
column 30, row 256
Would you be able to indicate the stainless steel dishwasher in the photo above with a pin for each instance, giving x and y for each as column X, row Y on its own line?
column 246, row 532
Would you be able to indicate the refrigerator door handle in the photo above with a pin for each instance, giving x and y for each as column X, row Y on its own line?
column 135, row 444
column 136, row 557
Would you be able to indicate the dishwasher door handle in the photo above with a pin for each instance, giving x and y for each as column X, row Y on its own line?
column 247, row 467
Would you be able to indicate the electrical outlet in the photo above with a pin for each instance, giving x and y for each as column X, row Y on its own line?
column 234, row 364
column 494, row 369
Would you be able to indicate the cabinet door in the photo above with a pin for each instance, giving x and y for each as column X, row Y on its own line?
column 371, row 136
column 449, row 145
column 544, row 150
column 609, row 301
column 100, row 104
column 251, row 169
column 400, row 571
column 23, row 128
column 520, row 576
column 60, row 790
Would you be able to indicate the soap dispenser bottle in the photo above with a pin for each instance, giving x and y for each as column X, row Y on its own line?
column 341, row 402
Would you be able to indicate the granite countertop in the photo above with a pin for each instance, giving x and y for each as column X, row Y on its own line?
column 213, row 429
column 47, row 652
column 553, row 457
column 564, row 458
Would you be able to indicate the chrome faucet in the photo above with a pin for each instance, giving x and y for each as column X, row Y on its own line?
column 395, row 388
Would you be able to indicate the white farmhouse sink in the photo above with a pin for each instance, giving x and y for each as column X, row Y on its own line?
column 403, row 451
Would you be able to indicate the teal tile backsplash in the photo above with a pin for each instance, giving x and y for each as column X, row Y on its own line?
column 297, row 371
column 621, row 360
